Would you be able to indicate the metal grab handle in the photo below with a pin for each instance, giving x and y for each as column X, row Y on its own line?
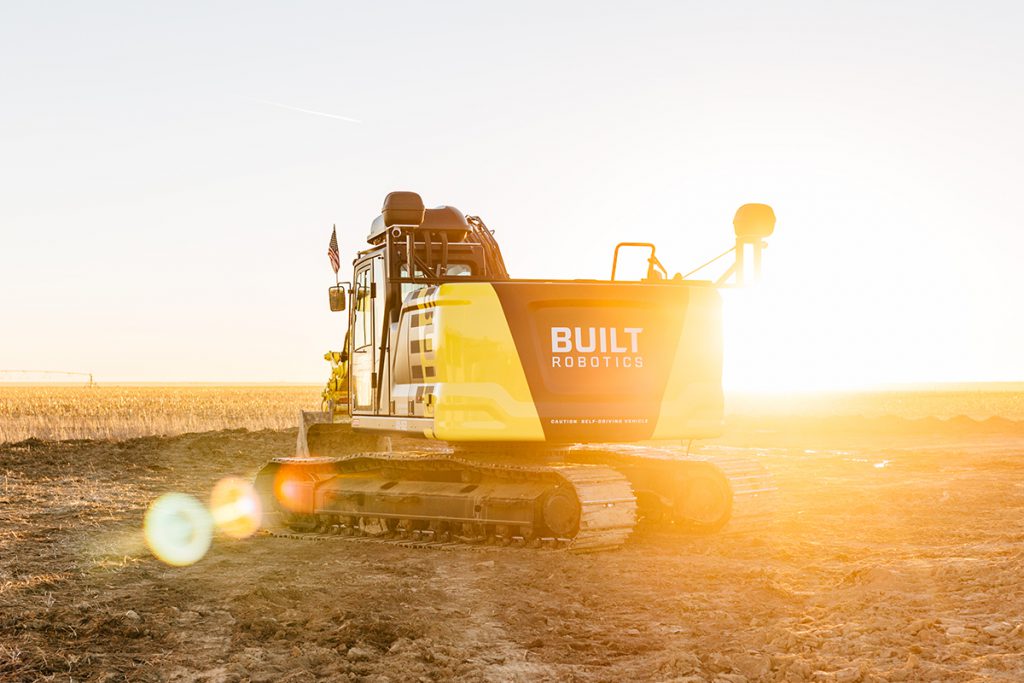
column 652, row 260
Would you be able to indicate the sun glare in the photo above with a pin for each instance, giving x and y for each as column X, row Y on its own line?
column 778, row 341
column 235, row 507
column 293, row 489
column 178, row 529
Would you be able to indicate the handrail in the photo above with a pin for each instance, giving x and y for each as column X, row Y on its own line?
column 652, row 260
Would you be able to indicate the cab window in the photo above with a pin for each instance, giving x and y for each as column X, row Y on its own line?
column 362, row 327
column 454, row 270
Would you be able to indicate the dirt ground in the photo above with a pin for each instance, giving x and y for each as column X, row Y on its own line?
column 887, row 561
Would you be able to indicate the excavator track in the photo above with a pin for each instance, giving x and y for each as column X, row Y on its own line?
column 443, row 501
column 663, row 478
column 604, row 494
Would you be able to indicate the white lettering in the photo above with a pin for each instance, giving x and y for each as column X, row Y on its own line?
column 634, row 332
column 590, row 346
column 561, row 340
column 556, row 361
column 615, row 348
column 594, row 339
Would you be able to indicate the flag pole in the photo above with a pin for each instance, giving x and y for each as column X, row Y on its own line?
column 337, row 279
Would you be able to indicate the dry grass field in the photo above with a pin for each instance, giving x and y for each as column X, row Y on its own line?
column 56, row 412
column 61, row 412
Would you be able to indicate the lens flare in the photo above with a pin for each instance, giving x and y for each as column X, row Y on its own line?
column 178, row 529
column 235, row 507
column 293, row 489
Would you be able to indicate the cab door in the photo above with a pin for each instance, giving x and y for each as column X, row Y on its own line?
column 368, row 322
column 362, row 361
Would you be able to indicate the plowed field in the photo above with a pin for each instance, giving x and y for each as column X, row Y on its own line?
column 886, row 561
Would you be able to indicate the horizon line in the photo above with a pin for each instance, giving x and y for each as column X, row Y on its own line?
column 1004, row 385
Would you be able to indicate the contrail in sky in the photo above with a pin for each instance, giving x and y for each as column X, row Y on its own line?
column 307, row 111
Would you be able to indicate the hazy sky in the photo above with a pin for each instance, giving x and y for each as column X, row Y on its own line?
column 160, row 220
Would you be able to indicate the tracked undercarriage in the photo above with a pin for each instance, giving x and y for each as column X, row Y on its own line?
column 581, row 499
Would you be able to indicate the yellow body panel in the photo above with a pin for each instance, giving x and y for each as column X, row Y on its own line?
column 477, row 361
column 693, row 404
column 480, row 392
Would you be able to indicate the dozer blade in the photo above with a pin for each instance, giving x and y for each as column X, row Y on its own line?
column 307, row 419
column 321, row 436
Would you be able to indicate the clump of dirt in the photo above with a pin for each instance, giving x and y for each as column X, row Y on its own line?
column 883, row 563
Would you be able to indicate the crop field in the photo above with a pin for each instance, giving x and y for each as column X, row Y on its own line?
column 61, row 412
column 56, row 412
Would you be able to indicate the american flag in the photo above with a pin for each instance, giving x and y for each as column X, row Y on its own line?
column 332, row 250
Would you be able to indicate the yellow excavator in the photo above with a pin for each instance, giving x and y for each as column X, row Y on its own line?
column 471, row 407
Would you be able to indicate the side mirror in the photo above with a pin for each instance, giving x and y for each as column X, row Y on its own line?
column 337, row 296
